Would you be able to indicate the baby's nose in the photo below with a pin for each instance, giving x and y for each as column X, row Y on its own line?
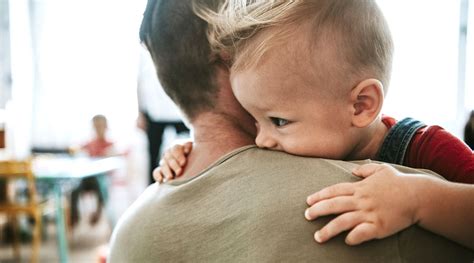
column 265, row 141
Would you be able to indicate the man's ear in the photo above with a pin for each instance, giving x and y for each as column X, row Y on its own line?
column 366, row 101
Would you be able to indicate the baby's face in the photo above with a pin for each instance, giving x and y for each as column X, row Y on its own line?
column 292, row 112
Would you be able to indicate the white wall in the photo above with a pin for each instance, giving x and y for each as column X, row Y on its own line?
column 469, row 96
column 19, row 108
column 425, row 71
column 87, row 55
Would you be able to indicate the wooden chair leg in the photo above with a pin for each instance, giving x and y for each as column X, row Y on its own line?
column 15, row 236
column 36, row 238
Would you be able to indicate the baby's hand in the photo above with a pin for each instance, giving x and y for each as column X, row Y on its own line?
column 378, row 206
column 172, row 162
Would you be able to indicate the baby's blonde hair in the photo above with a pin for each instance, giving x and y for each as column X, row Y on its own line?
column 244, row 29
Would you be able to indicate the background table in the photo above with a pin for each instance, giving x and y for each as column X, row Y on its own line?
column 60, row 173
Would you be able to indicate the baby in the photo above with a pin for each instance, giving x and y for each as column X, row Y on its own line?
column 313, row 74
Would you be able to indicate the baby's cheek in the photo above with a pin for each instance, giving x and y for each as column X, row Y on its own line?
column 311, row 148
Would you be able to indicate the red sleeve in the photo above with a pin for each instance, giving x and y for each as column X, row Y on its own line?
column 435, row 149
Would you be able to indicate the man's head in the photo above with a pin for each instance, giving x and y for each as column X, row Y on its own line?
column 311, row 72
column 195, row 79
column 176, row 40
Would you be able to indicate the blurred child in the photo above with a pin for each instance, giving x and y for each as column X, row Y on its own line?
column 99, row 146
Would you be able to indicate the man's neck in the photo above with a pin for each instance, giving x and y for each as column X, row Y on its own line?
column 214, row 135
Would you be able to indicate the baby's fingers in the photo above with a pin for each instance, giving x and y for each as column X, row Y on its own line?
column 336, row 226
column 166, row 171
column 157, row 175
column 330, row 192
column 188, row 147
column 170, row 160
column 336, row 205
column 179, row 152
column 361, row 233
column 366, row 170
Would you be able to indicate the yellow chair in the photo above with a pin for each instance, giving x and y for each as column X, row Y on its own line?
column 15, row 170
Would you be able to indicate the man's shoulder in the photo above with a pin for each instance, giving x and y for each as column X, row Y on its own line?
column 230, row 212
column 265, row 168
column 135, row 224
column 262, row 159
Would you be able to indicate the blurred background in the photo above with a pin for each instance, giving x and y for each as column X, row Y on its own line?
column 64, row 61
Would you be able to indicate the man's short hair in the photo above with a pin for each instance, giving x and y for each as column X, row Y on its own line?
column 176, row 40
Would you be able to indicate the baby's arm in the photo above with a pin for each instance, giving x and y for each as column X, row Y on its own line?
column 387, row 201
column 173, row 162
column 443, row 153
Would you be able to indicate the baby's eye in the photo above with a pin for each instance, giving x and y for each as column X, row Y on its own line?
column 279, row 122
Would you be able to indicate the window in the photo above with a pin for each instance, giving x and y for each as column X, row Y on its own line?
column 86, row 56
column 5, row 70
column 469, row 94
column 426, row 66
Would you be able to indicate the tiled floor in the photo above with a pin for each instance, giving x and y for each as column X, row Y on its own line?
column 85, row 242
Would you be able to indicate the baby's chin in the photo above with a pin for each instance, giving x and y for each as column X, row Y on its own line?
column 302, row 153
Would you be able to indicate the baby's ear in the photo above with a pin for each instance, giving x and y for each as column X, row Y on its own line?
column 366, row 100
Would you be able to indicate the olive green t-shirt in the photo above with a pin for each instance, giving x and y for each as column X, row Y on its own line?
column 249, row 207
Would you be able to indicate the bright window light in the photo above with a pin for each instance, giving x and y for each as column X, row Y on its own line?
column 425, row 70
column 469, row 98
column 87, row 55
